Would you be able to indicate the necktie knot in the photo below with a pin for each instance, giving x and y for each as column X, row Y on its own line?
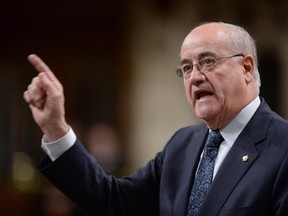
column 214, row 139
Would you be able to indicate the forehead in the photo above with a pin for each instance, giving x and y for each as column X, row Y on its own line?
column 209, row 38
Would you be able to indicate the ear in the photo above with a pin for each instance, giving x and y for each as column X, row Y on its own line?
column 248, row 64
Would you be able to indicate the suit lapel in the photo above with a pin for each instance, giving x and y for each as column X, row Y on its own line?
column 229, row 174
column 234, row 165
column 191, row 163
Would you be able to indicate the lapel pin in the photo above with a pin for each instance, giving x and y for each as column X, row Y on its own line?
column 245, row 158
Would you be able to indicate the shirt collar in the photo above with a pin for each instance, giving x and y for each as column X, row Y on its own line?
column 231, row 131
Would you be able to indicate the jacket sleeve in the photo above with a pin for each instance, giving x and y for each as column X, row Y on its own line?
column 78, row 175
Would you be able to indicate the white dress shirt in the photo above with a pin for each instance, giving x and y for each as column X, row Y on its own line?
column 232, row 130
column 230, row 133
column 57, row 148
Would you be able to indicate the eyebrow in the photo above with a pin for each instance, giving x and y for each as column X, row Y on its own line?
column 199, row 56
column 206, row 53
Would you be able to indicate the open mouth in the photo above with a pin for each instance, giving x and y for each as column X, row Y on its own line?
column 202, row 93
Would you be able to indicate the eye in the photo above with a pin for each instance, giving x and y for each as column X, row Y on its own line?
column 207, row 62
column 186, row 68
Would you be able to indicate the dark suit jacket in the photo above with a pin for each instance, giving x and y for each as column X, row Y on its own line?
column 256, row 187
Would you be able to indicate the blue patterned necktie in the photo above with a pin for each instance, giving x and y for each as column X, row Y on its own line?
column 204, row 174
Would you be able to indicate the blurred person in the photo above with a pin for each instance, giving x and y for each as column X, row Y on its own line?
column 103, row 143
column 235, row 163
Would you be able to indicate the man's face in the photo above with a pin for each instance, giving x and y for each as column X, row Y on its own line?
column 217, row 95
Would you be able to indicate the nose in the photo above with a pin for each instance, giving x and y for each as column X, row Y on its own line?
column 197, row 76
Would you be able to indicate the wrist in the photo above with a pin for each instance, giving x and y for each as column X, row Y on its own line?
column 55, row 131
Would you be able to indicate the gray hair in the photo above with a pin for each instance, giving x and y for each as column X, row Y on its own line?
column 242, row 42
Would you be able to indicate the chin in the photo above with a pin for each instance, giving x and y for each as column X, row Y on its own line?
column 206, row 115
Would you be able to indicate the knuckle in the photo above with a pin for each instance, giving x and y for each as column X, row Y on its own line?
column 26, row 96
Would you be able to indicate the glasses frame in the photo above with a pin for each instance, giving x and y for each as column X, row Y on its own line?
column 200, row 65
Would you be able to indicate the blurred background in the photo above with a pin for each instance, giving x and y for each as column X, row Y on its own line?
column 116, row 61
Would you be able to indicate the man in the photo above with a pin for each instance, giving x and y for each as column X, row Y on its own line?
column 221, row 80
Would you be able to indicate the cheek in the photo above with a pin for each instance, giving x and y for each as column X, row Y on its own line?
column 230, row 94
column 234, row 88
column 228, row 87
column 188, row 92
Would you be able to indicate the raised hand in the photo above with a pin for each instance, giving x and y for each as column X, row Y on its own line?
column 45, row 98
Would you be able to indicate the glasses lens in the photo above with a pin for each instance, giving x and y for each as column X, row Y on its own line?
column 186, row 68
column 179, row 73
column 208, row 63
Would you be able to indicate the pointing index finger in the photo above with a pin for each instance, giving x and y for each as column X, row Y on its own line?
column 38, row 64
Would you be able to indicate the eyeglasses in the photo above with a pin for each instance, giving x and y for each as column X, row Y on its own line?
column 207, row 63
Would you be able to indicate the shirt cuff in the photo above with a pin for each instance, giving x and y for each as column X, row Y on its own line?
column 56, row 148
